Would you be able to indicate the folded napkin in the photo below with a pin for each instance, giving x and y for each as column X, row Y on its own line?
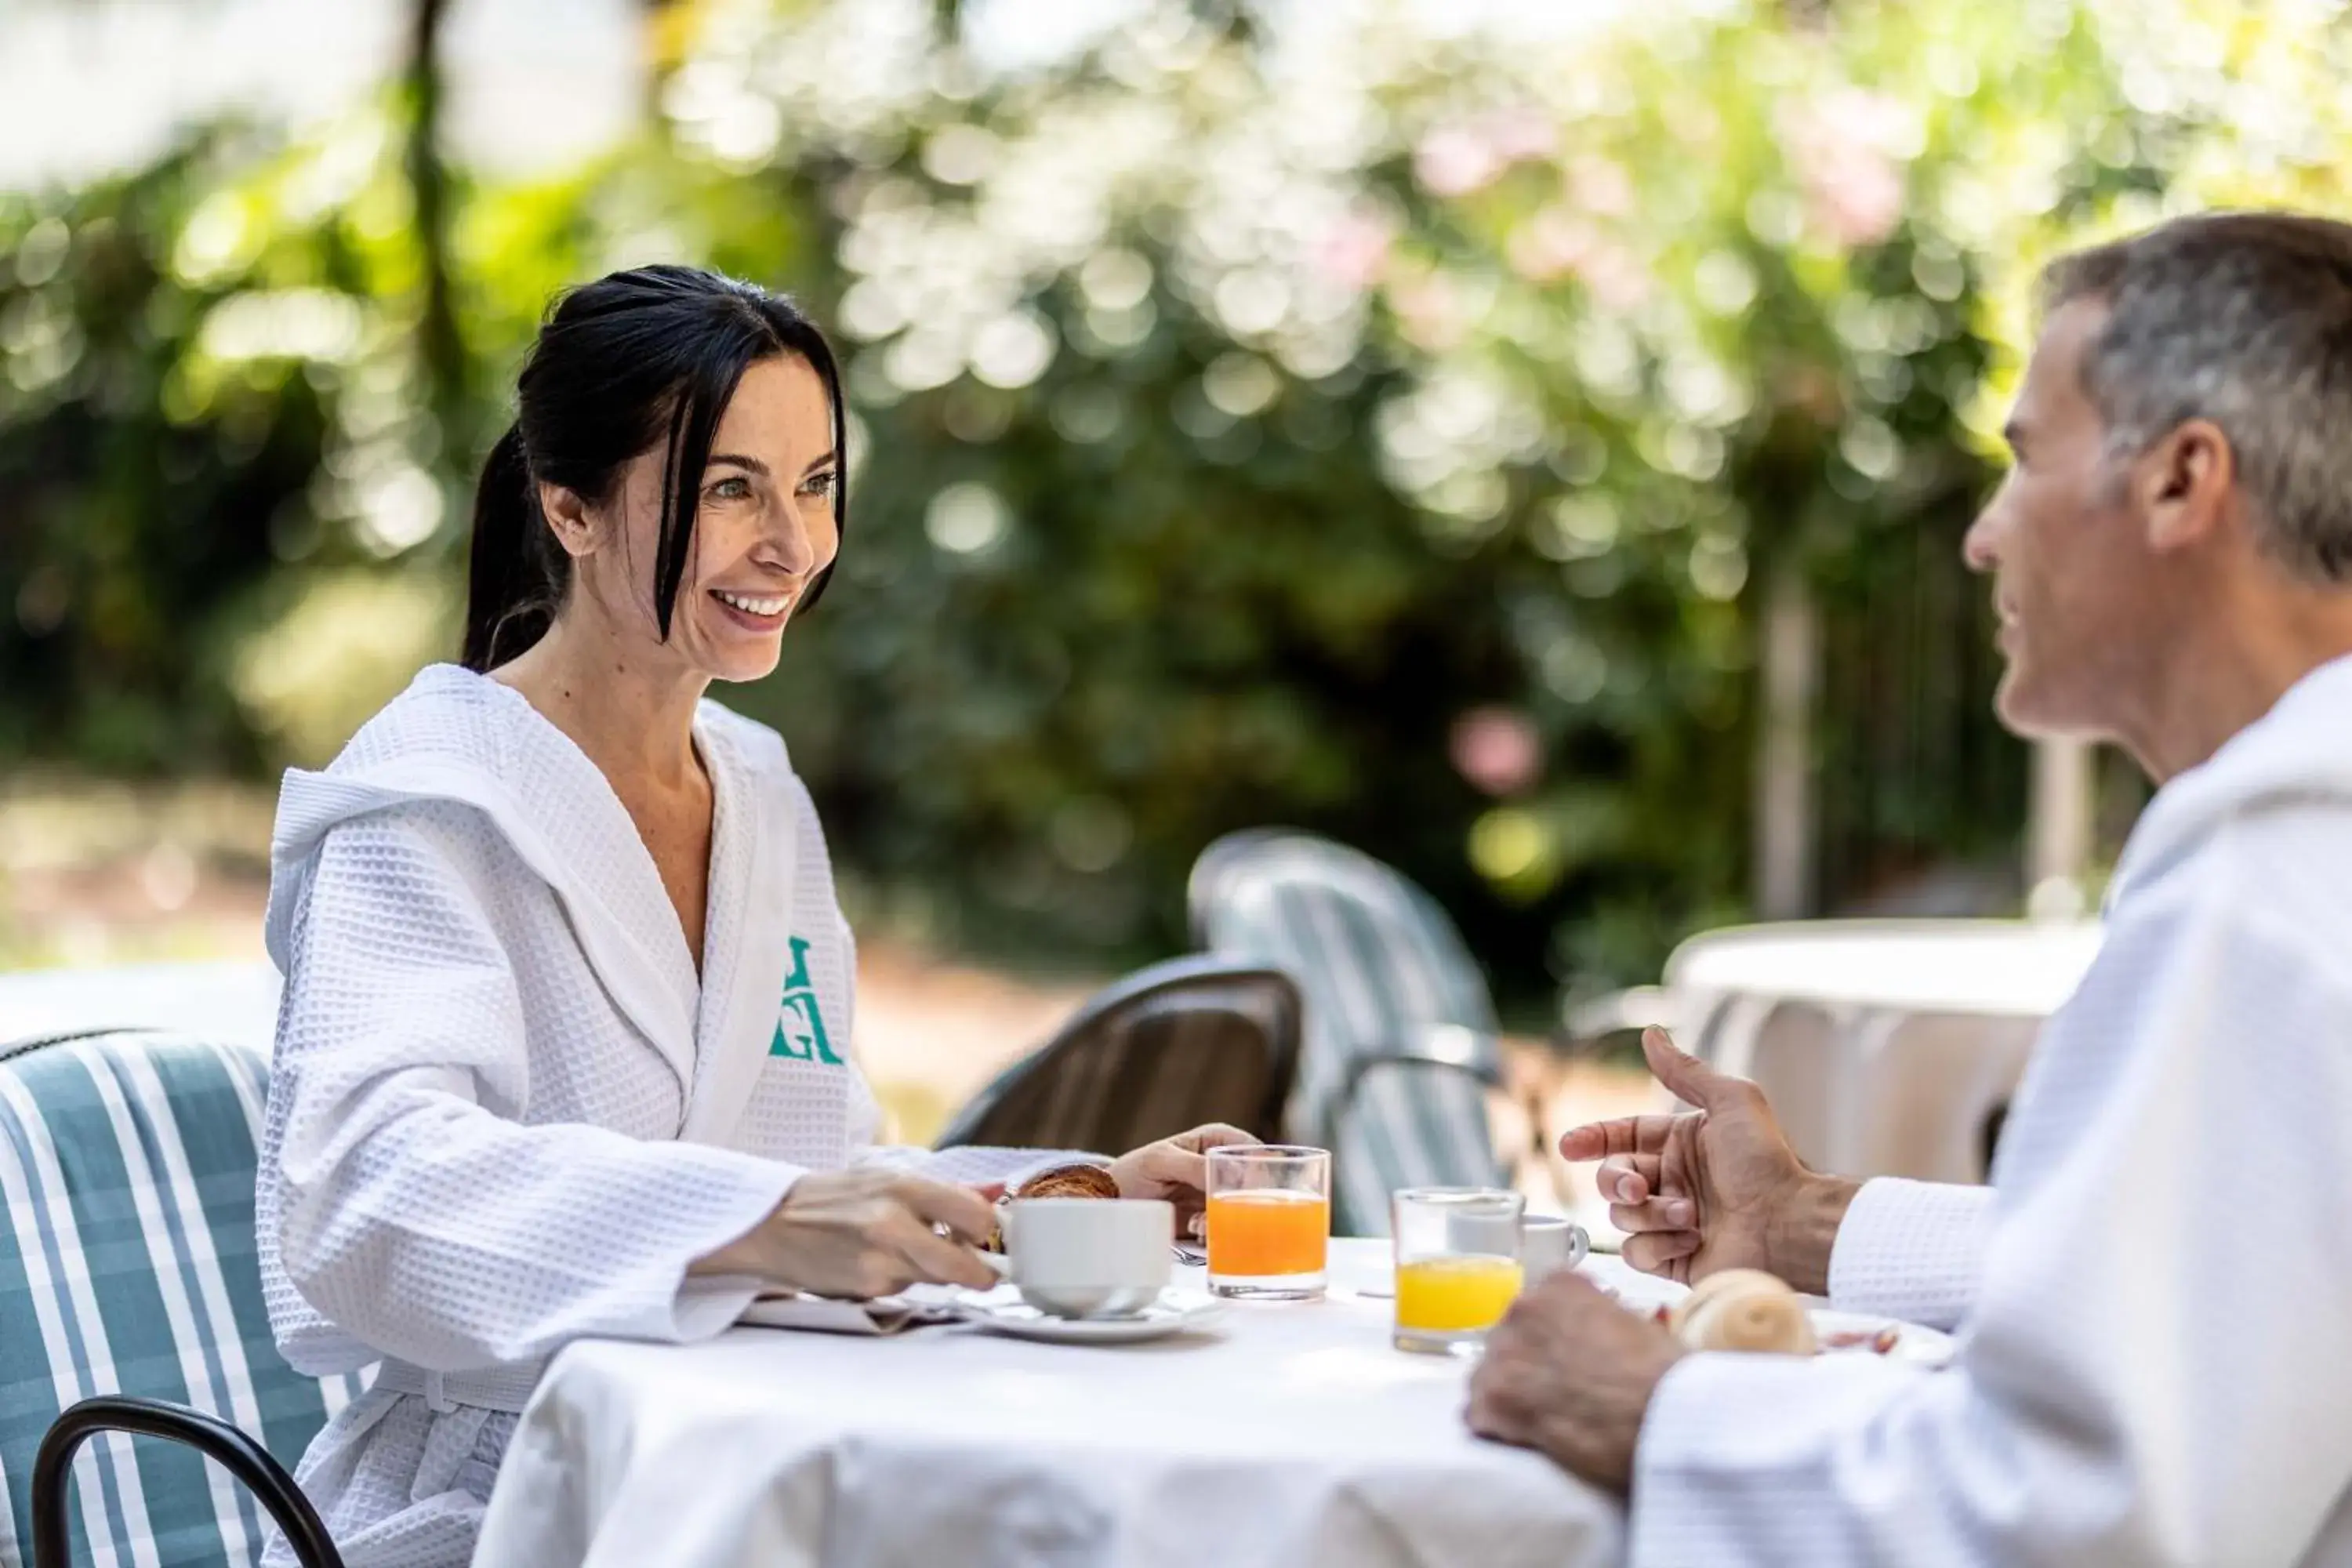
column 918, row 1307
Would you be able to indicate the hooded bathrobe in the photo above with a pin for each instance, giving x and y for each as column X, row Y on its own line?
column 504, row 1111
column 2155, row 1295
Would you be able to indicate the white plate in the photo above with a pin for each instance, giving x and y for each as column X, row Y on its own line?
column 1176, row 1313
column 1913, row 1344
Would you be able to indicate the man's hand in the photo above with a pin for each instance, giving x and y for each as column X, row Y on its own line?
column 1712, row 1189
column 1569, row 1373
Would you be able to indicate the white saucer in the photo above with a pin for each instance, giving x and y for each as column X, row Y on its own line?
column 1176, row 1313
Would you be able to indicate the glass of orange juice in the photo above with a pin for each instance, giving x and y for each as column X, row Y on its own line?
column 1269, row 1221
column 1457, row 1265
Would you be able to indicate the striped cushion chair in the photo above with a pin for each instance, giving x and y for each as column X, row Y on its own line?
column 1399, row 1050
column 130, row 1302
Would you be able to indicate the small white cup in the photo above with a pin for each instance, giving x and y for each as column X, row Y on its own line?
column 1088, row 1257
column 1548, row 1244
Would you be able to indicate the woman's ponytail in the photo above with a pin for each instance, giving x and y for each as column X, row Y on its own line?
column 512, row 583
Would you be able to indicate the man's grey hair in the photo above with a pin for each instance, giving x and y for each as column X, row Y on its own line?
column 2245, row 319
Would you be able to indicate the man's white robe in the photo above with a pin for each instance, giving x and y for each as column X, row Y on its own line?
column 2154, row 1298
column 504, row 1111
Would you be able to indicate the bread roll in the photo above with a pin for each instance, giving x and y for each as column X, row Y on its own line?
column 1743, row 1310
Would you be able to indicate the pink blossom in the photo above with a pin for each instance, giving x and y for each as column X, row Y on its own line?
column 1616, row 276
column 1857, row 199
column 1430, row 311
column 1354, row 254
column 1514, row 135
column 1496, row 750
column 1555, row 244
column 1847, row 149
column 1852, row 114
column 1453, row 161
column 1548, row 244
column 1600, row 184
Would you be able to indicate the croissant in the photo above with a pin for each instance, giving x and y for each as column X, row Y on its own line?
column 1057, row 1182
column 1743, row 1310
column 1069, row 1182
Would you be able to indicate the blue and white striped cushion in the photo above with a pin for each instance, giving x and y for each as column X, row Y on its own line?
column 1380, row 965
column 127, row 1165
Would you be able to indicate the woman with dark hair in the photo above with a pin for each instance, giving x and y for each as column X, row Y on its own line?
column 565, row 1043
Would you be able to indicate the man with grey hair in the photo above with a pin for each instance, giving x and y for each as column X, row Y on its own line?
column 2154, row 1298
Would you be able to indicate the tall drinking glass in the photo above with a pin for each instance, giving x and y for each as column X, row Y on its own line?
column 1269, row 1221
column 1457, row 1265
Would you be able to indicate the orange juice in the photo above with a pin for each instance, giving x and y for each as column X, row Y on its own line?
column 1261, row 1232
column 1455, row 1295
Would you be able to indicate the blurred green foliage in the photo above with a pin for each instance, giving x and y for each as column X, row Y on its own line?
column 1397, row 435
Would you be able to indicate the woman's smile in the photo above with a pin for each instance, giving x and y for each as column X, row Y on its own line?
column 754, row 612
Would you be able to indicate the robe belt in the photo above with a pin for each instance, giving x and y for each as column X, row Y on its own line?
column 505, row 1388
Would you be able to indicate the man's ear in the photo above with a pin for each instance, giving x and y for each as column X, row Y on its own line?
column 2183, row 482
column 568, row 516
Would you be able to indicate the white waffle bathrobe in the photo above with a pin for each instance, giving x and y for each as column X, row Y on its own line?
column 504, row 1113
column 2154, row 1296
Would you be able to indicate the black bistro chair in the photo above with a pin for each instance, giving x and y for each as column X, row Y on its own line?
column 1171, row 1046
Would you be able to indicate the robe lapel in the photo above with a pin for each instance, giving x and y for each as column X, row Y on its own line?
column 622, row 949
column 755, row 844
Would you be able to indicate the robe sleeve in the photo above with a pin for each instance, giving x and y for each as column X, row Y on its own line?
column 414, row 1207
column 1913, row 1250
column 2159, row 1369
column 975, row 1164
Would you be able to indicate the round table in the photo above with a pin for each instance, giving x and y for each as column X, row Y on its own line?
column 1886, row 1046
column 2016, row 969
column 1294, row 1436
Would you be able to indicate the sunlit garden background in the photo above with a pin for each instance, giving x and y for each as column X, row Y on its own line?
column 1530, row 443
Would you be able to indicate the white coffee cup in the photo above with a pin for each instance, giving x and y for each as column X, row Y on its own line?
column 1088, row 1257
column 1549, row 1242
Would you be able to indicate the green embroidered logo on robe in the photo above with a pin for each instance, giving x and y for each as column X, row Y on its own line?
column 800, row 1025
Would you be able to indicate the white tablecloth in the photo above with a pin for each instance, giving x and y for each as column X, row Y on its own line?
column 1297, row 1437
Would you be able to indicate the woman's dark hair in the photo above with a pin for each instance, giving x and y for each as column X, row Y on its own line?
column 639, row 358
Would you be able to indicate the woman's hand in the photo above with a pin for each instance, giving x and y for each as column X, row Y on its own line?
column 1176, row 1169
column 862, row 1233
